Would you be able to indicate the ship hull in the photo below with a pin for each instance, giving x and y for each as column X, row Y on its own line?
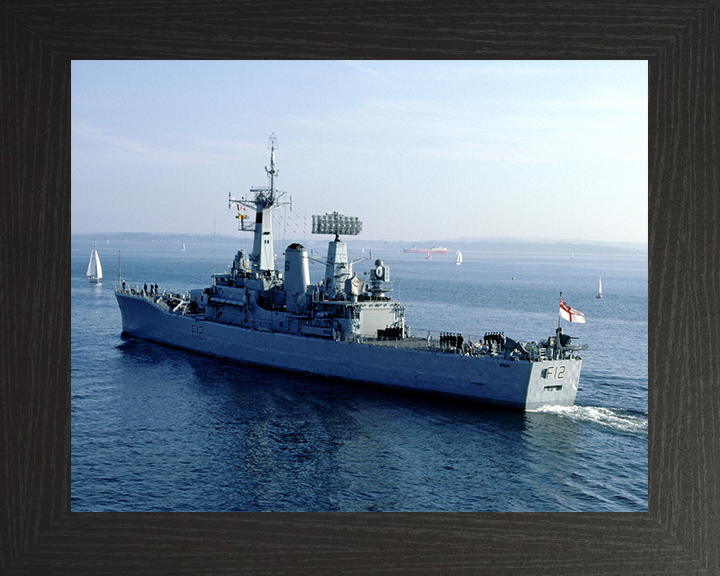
column 493, row 380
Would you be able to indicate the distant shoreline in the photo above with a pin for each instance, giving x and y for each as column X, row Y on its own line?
column 493, row 245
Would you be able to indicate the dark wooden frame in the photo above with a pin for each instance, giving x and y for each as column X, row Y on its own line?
column 39, row 534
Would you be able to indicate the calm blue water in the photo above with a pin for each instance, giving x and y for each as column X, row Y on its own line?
column 158, row 429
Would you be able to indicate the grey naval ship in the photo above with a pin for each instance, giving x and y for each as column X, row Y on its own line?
column 345, row 327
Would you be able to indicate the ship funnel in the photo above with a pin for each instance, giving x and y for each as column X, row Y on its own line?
column 297, row 274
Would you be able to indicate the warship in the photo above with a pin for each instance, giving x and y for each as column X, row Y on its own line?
column 345, row 327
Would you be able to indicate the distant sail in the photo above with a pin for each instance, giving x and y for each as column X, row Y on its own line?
column 459, row 258
column 599, row 294
column 94, row 271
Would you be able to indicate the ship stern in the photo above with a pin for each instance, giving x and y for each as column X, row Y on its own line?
column 553, row 383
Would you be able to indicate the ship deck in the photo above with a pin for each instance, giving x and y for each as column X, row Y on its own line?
column 421, row 340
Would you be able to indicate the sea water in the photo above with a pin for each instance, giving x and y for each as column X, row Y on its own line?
column 160, row 429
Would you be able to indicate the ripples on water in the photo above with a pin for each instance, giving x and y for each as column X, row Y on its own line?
column 155, row 428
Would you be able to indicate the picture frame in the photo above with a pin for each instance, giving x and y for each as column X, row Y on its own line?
column 38, row 532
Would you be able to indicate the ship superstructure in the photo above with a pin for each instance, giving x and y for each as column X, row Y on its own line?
column 345, row 326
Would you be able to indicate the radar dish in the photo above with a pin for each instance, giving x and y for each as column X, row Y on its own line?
column 336, row 223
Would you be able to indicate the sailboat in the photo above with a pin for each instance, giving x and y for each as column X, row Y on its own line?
column 94, row 271
column 183, row 248
column 599, row 294
column 459, row 258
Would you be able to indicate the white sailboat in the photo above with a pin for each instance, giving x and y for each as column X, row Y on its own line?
column 459, row 258
column 599, row 294
column 183, row 248
column 94, row 271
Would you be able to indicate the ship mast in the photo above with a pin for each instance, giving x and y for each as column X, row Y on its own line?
column 271, row 172
column 265, row 200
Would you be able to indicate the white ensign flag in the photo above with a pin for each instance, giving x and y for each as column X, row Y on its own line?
column 570, row 314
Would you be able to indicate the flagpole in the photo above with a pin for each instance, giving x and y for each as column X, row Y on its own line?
column 559, row 316
column 559, row 329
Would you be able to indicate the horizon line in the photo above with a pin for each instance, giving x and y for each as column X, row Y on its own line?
column 533, row 240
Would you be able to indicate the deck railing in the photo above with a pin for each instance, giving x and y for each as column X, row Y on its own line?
column 422, row 339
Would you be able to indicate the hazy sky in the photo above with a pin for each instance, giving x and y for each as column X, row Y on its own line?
column 417, row 150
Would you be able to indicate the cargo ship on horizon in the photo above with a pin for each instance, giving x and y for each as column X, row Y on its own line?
column 433, row 250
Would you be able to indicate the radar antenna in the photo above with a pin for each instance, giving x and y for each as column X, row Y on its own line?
column 336, row 223
column 338, row 269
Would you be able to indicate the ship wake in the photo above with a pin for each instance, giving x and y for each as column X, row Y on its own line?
column 623, row 421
